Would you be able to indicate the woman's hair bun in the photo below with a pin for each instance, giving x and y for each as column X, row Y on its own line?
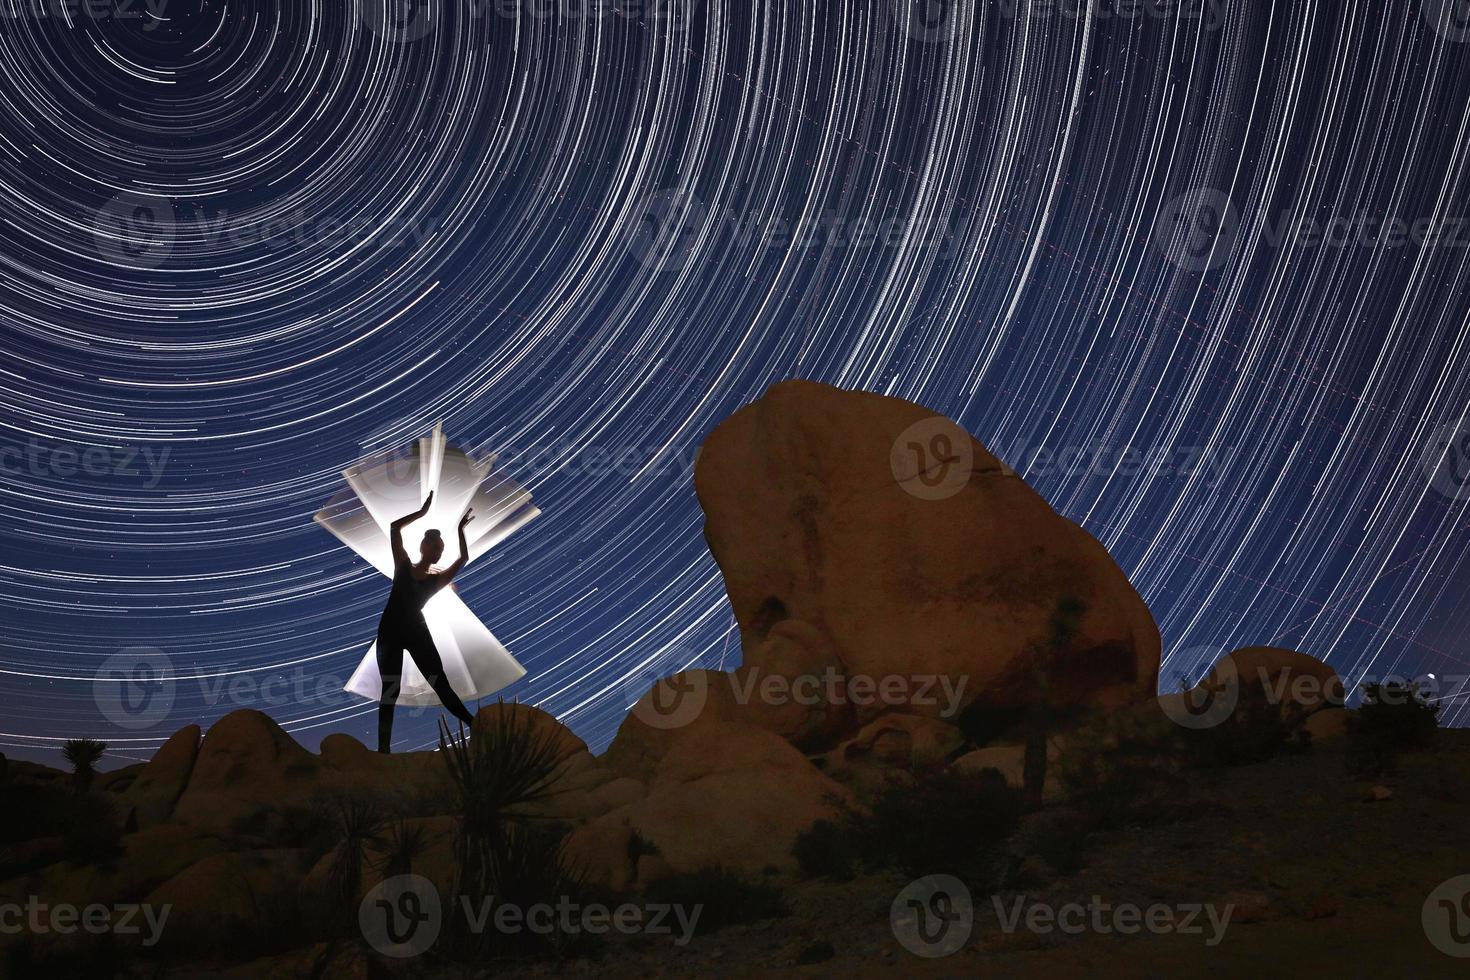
column 432, row 532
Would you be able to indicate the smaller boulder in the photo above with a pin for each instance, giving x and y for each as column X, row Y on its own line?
column 1329, row 724
column 726, row 794
column 1298, row 683
column 889, row 748
column 1010, row 762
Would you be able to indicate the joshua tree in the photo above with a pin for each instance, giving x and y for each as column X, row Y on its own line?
column 83, row 754
column 1064, row 624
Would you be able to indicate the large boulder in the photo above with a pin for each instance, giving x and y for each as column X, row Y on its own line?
column 531, row 721
column 414, row 781
column 912, row 552
column 158, row 787
column 250, row 778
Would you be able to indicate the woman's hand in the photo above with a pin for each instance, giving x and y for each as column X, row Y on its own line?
column 464, row 549
column 395, row 531
column 424, row 509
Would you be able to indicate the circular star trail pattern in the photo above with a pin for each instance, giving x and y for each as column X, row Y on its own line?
column 245, row 244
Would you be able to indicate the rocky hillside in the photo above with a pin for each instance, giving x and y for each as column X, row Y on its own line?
column 938, row 674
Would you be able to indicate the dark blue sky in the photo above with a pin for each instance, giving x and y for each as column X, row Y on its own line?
column 245, row 245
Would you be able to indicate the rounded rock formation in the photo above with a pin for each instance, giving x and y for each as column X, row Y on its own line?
column 913, row 552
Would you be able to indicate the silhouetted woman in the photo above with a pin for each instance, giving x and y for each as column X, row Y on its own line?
column 403, row 627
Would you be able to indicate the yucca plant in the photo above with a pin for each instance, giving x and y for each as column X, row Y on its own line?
column 83, row 754
column 404, row 845
column 504, row 850
column 356, row 821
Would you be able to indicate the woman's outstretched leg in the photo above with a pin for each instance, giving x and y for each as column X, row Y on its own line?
column 426, row 655
column 390, row 669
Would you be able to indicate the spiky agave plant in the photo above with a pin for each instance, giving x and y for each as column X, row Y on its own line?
column 83, row 755
column 357, row 823
column 405, row 844
column 503, row 850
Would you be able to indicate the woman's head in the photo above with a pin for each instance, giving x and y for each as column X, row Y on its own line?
column 432, row 547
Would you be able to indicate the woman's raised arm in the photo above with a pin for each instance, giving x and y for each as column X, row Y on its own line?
column 464, row 551
column 395, row 533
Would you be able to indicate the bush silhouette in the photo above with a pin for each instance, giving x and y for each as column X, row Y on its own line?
column 83, row 754
column 504, row 852
column 1394, row 718
column 951, row 820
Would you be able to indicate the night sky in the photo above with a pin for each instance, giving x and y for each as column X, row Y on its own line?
column 245, row 244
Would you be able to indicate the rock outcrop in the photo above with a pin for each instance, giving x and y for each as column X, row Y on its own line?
column 248, row 778
column 158, row 787
column 827, row 513
column 725, row 795
column 1300, row 684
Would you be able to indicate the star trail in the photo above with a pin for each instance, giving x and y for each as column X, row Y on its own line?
column 1199, row 270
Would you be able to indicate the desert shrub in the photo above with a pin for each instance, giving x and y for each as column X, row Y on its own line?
column 723, row 898
column 404, row 844
column 354, row 825
column 951, row 821
column 1123, row 768
column 1052, row 839
column 828, row 849
column 502, row 852
column 83, row 754
column 1394, row 718
column 1254, row 732
column 925, row 827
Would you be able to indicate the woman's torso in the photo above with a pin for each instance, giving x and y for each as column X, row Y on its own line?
column 409, row 594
